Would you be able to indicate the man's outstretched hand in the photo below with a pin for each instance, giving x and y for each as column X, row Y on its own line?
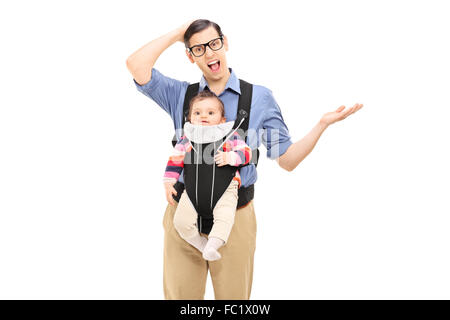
column 338, row 115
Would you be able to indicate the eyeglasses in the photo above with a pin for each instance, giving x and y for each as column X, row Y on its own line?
column 200, row 49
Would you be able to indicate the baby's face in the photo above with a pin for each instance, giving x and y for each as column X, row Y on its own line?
column 207, row 112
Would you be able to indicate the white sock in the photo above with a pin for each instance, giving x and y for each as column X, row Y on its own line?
column 210, row 252
column 198, row 241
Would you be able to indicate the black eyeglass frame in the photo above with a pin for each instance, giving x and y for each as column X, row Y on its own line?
column 204, row 45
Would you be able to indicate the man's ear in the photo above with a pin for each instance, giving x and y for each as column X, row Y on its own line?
column 189, row 56
column 225, row 42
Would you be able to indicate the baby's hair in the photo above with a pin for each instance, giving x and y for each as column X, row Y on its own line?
column 204, row 95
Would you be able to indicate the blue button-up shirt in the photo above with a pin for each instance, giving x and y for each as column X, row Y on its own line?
column 266, row 123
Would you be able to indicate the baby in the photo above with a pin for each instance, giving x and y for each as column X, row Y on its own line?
column 206, row 125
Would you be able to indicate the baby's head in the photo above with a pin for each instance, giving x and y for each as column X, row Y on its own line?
column 206, row 109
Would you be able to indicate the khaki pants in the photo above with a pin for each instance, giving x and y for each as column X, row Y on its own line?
column 185, row 219
column 185, row 270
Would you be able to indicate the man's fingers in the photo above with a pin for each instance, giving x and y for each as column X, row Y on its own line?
column 359, row 106
column 174, row 191
column 356, row 107
column 340, row 109
column 348, row 112
column 341, row 114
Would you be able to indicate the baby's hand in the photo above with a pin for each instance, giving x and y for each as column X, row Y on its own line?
column 223, row 158
column 170, row 190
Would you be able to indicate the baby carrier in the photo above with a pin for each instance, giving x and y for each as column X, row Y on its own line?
column 199, row 162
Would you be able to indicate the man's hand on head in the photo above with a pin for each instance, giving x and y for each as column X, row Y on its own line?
column 182, row 30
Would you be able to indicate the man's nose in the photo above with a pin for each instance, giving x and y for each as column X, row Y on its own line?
column 208, row 51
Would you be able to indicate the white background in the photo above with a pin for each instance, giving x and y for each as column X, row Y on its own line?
column 82, row 152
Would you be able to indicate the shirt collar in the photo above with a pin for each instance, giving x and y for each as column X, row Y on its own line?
column 232, row 83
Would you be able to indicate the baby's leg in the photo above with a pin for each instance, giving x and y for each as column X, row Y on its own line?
column 185, row 222
column 223, row 212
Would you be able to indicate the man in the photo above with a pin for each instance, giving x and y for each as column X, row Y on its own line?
column 185, row 270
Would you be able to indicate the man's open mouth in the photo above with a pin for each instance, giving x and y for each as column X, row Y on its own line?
column 214, row 65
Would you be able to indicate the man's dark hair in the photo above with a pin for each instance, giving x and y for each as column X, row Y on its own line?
column 197, row 26
column 204, row 95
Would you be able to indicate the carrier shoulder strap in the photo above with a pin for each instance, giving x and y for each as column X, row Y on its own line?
column 244, row 106
column 191, row 91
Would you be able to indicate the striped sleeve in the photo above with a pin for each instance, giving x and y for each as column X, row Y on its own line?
column 241, row 152
column 175, row 164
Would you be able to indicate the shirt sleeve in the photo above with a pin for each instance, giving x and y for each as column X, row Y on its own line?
column 165, row 91
column 276, row 137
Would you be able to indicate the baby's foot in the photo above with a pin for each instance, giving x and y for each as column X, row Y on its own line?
column 199, row 242
column 210, row 252
column 202, row 244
